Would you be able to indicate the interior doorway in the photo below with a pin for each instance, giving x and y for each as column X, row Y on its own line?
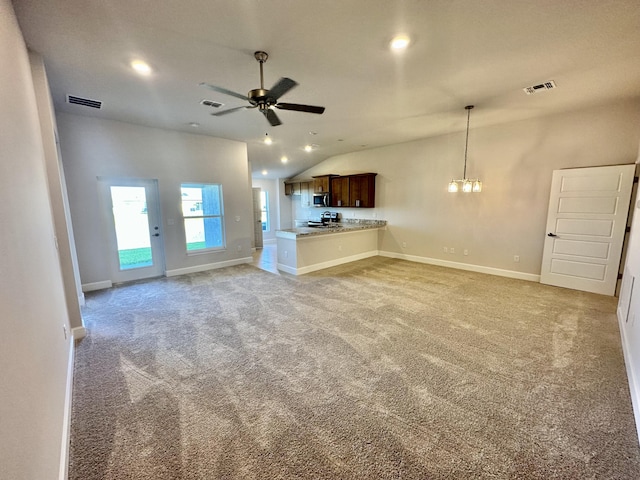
column 133, row 223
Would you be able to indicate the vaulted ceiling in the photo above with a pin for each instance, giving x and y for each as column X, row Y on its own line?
column 461, row 52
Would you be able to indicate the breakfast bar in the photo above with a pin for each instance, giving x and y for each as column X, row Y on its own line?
column 307, row 249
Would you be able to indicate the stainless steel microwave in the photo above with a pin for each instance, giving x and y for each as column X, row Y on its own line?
column 321, row 200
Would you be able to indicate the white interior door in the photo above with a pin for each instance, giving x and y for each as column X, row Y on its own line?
column 586, row 223
column 133, row 219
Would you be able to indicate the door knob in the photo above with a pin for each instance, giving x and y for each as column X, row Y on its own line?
column 551, row 235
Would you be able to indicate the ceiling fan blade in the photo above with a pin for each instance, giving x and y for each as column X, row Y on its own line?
column 281, row 87
column 300, row 108
column 231, row 110
column 272, row 117
column 224, row 90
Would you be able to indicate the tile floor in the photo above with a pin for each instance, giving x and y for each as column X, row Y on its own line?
column 266, row 258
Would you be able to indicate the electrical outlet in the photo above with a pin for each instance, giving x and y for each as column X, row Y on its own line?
column 404, row 244
column 239, row 248
column 516, row 258
column 466, row 252
column 445, row 249
column 286, row 254
column 452, row 250
column 339, row 248
column 237, row 218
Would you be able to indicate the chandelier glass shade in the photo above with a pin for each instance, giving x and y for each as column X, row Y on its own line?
column 466, row 185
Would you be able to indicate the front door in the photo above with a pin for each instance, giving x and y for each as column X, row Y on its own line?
column 586, row 223
column 135, row 242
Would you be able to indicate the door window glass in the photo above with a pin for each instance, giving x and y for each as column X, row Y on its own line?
column 132, row 226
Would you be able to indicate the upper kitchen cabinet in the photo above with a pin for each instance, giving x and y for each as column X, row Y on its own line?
column 321, row 184
column 362, row 190
column 339, row 191
column 306, row 193
column 292, row 188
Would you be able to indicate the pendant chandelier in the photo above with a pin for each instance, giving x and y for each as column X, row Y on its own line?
column 466, row 184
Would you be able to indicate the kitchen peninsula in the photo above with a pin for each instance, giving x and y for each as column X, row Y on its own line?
column 307, row 249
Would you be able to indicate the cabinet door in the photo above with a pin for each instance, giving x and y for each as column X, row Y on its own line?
column 305, row 193
column 340, row 192
column 288, row 189
column 321, row 184
column 296, row 189
column 362, row 190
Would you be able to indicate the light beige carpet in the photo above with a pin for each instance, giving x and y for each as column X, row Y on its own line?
column 379, row 369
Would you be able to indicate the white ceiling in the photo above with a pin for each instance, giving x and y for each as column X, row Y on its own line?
column 480, row 52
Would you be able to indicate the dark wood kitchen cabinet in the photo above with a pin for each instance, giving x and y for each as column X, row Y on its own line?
column 321, row 184
column 340, row 192
column 362, row 190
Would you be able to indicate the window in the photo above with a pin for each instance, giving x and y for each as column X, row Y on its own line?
column 264, row 208
column 203, row 216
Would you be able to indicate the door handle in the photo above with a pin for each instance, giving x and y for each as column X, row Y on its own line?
column 551, row 235
column 155, row 235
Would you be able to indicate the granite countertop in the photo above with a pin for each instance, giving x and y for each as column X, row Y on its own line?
column 347, row 225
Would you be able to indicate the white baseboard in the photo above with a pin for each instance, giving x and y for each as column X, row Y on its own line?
column 66, row 421
column 90, row 287
column 208, row 266
column 323, row 265
column 464, row 266
column 78, row 333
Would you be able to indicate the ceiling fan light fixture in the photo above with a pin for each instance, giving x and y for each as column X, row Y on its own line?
column 266, row 100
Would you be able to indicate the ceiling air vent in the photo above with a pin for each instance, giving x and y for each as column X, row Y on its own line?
column 211, row 103
column 550, row 85
column 84, row 101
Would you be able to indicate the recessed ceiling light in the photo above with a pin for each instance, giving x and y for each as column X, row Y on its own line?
column 194, row 124
column 400, row 42
column 267, row 139
column 313, row 133
column 141, row 67
column 284, row 159
column 264, row 172
column 308, row 148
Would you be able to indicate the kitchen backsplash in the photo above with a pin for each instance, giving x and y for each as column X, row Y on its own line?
column 362, row 221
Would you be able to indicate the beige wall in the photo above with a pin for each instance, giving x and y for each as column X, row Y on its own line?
column 93, row 148
column 34, row 354
column 515, row 161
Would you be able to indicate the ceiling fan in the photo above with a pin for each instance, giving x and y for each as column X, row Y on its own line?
column 266, row 100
